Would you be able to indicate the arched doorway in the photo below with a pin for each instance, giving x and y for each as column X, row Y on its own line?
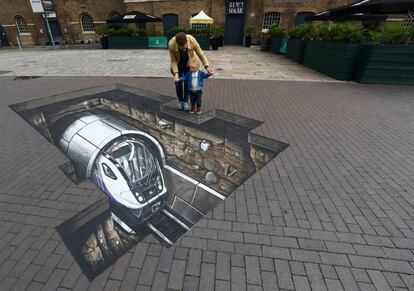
column 169, row 21
column 300, row 17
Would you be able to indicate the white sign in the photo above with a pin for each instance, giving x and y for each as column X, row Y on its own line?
column 37, row 6
column 129, row 16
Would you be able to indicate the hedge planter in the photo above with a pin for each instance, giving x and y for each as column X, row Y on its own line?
column 274, row 44
column 127, row 42
column 204, row 42
column 337, row 60
column 295, row 50
column 387, row 64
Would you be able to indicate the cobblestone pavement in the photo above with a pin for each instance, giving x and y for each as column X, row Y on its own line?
column 230, row 62
column 335, row 211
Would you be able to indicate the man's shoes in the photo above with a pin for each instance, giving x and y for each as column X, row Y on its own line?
column 198, row 112
column 180, row 105
column 193, row 110
column 185, row 106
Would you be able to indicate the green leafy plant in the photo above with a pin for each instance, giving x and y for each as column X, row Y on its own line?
column 124, row 31
column 217, row 30
column 105, row 30
column 276, row 31
column 393, row 34
column 339, row 32
column 304, row 32
column 249, row 31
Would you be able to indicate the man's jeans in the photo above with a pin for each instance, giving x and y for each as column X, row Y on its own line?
column 182, row 96
column 196, row 98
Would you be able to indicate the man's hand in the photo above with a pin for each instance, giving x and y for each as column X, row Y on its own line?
column 176, row 78
column 210, row 71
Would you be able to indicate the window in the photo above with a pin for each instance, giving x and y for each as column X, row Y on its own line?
column 409, row 20
column 87, row 23
column 22, row 25
column 270, row 19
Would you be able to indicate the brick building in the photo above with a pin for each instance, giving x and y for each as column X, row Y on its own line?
column 76, row 20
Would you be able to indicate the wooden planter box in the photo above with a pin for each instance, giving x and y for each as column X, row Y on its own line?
column 295, row 50
column 127, row 42
column 337, row 60
column 387, row 64
column 275, row 44
column 204, row 42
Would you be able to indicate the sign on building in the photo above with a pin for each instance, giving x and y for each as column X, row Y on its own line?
column 41, row 6
column 235, row 7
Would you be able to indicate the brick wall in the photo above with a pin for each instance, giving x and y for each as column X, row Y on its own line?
column 8, row 12
column 69, row 12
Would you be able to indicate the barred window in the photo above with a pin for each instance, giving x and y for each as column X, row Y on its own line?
column 270, row 19
column 87, row 23
column 409, row 20
column 22, row 25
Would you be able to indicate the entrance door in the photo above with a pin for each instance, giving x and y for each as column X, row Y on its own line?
column 169, row 21
column 233, row 32
column 300, row 17
column 55, row 29
column 3, row 37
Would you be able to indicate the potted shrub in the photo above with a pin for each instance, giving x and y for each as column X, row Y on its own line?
column 276, row 35
column 248, row 38
column 390, row 58
column 298, row 37
column 104, row 31
column 335, row 50
column 264, row 41
column 218, row 33
column 128, row 38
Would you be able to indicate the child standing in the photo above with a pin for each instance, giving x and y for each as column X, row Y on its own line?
column 195, row 80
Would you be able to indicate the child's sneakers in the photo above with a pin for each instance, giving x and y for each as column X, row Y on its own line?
column 198, row 111
column 193, row 110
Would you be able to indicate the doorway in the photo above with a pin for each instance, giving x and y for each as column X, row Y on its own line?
column 169, row 22
column 3, row 37
column 233, row 32
column 300, row 17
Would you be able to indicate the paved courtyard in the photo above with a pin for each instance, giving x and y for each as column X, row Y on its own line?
column 335, row 211
column 229, row 62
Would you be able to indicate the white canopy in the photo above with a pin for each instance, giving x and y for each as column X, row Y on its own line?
column 202, row 17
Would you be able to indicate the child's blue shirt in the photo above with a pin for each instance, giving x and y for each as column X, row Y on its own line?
column 189, row 78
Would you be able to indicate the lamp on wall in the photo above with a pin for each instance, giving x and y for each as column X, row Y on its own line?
column 65, row 30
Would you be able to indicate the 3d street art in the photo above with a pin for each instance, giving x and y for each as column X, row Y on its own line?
column 162, row 170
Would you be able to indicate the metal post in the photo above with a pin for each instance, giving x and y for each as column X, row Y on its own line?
column 49, row 31
column 20, row 47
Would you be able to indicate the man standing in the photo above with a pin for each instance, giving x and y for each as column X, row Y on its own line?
column 183, row 49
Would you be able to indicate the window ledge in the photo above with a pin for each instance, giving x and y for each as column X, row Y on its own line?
column 24, row 33
column 88, row 32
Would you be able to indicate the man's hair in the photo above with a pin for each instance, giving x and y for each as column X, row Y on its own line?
column 181, row 38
